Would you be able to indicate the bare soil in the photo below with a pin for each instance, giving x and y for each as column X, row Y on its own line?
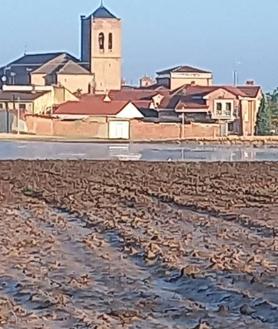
column 88, row 244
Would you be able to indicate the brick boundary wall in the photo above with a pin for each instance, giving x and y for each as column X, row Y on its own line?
column 139, row 130
column 47, row 126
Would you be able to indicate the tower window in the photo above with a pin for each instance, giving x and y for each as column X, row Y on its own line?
column 101, row 41
column 110, row 41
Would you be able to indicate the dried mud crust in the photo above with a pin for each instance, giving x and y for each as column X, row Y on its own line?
column 138, row 245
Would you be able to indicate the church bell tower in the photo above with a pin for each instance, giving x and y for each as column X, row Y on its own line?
column 101, row 48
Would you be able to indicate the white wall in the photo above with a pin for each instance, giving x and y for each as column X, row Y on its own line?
column 130, row 112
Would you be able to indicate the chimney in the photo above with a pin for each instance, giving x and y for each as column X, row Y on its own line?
column 107, row 99
column 250, row 83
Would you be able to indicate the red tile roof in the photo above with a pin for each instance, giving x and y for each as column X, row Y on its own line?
column 140, row 97
column 191, row 105
column 240, row 91
column 250, row 91
column 192, row 96
column 95, row 106
column 128, row 94
column 157, row 87
column 142, row 103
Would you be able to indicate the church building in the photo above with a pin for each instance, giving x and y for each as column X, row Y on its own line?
column 98, row 70
column 101, row 35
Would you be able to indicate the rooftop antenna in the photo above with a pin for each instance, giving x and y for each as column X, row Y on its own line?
column 101, row 3
column 236, row 72
column 25, row 49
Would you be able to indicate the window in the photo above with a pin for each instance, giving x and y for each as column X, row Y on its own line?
column 101, row 41
column 110, row 41
column 22, row 107
column 1, row 106
column 224, row 108
column 228, row 111
column 230, row 126
column 219, row 108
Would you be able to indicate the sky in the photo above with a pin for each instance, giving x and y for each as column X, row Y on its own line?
column 219, row 35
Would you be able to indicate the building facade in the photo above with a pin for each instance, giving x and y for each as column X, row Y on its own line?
column 37, row 100
column 98, row 70
column 176, row 77
column 101, row 47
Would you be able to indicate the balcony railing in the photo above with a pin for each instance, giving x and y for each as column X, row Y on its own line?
column 223, row 116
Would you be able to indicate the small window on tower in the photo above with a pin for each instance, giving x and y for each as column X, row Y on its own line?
column 101, row 41
column 110, row 41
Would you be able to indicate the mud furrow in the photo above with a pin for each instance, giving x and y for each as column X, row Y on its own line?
column 134, row 245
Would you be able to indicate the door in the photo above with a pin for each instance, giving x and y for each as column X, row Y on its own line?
column 223, row 129
column 119, row 129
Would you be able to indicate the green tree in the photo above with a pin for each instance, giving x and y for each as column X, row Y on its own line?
column 272, row 100
column 263, row 125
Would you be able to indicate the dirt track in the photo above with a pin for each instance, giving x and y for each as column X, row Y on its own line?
column 138, row 245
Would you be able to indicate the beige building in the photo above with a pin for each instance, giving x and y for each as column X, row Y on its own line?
column 184, row 75
column 63, row 71
column 103, row 111
column 37, row 100
column 146, row 81
column 235, row 107
column 101, row 46
column 99, row 69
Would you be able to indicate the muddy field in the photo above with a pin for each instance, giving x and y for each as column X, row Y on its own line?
column 138, row 245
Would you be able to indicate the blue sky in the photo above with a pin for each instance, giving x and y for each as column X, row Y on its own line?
column 212, row 34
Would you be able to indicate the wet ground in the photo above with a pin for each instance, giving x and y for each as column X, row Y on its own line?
column 138, row 245
column 143, row 152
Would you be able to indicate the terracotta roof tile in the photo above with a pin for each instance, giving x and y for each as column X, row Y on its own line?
column 129, row 94
column 250, row 91
column 191, row 105
column 142, row 103
column 192, row 96
column 205, row 90
column 94, row 106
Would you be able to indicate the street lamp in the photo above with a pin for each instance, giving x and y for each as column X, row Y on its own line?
column 17, row 108
column 5, row 76
column 4, row 79
column 18, row 115
column 28, row 71
column 13, row 74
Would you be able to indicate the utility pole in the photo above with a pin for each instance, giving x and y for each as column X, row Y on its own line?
column 13, row 74
column 14, row 107
column 183, row 123
column 7, row 117
column 235, row 72
column 235, row 77
column 17, row 110
column 18, row 115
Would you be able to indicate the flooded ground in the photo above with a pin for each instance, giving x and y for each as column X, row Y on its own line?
column 143, row 152
column 88, row 244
